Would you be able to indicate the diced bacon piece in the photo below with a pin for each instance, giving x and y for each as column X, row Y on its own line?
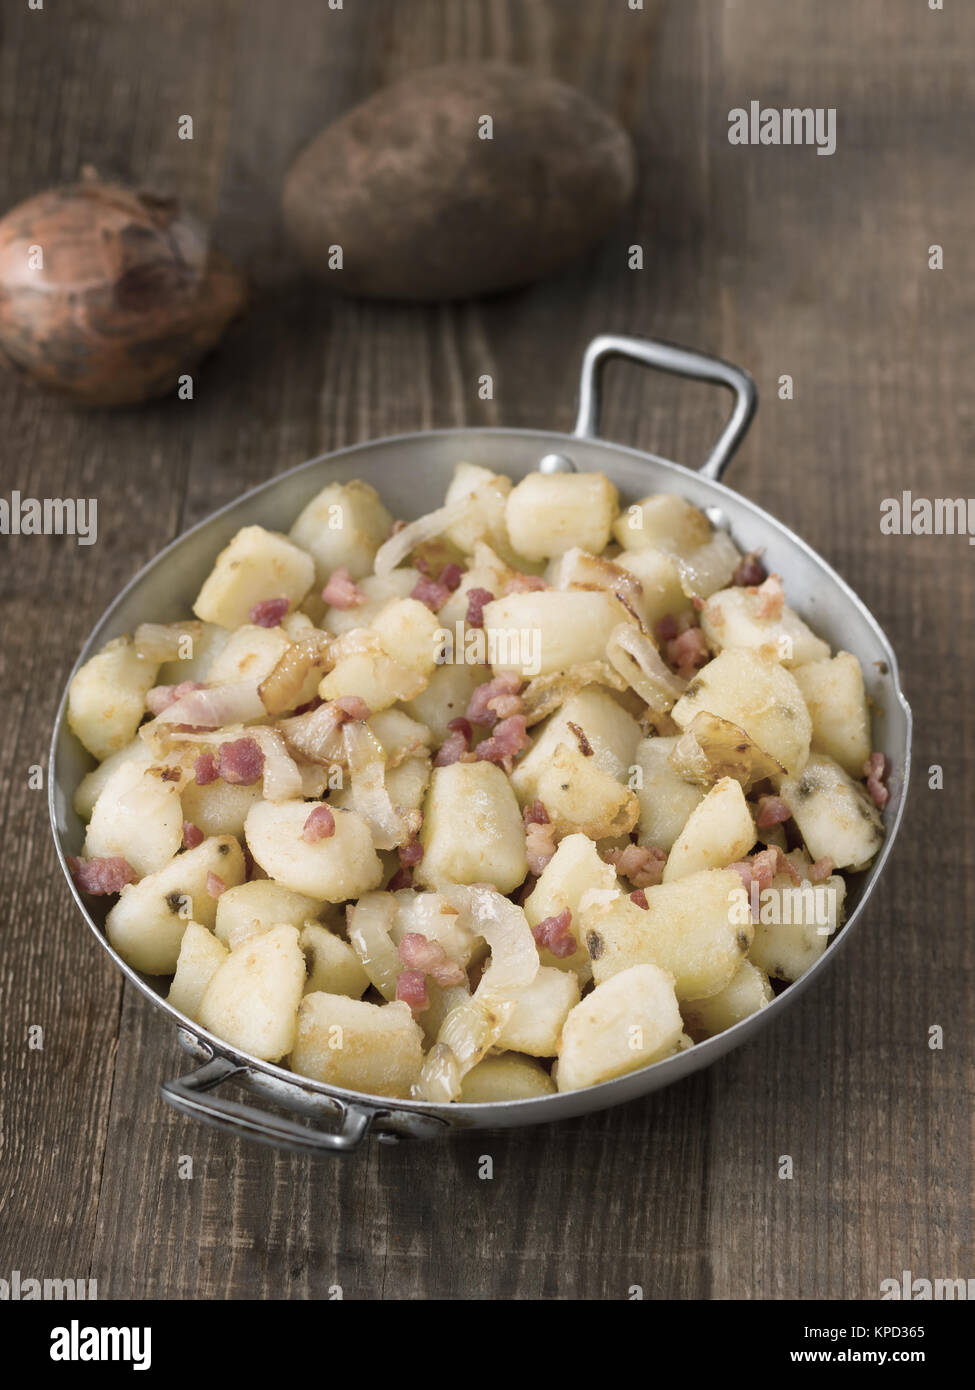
column 750, row 572
column 320, row 825
column 761, row 868
column 698, row 602
column 97, row 877
column 205, row 770
column 688, row 651
column 192, row 835
column 411, row 988
column 771, row 597
column 667, row 629
column 876, row 770
column 418, row 952
column 772, row 810
column 269, row 612
column 554, row 934
column 411, row 853
column 451, row 575
column 215, row 885
column 821, row 870
column 524, row 583
column 403, row 878
column 341, row 591
column 535, row 814
column 477, row 601
column 643, row 865
column 456, row 744
column 241, row 762
column 480, row 709
column 431, row 592
column 640, row 898
column 506, row 742
column 160, row 697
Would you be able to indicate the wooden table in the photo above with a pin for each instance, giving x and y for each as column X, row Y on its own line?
column 779, row 259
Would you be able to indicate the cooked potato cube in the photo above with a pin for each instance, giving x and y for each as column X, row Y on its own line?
column 342, row 528
column 796, row 923
column 333, row 966
column 835, row 815
column 698, row 929
column 407, row 784
column 610, row 731
column 733, row 618
column 666, row 799
column 758, row 695
column 399, row 736
column 256, row 565
column 342, row 866
column 719, row 831
column 548, row 513
column 508, row 1077
column 375, row 1048
column 579, row 795
column 659, row 576
column 252, row 1000
column 548, row 630
column 107, row 698
column 147, row 923
column 486, row 521
column 265, row 902
column 626, row 1023
column 573, row 873
column 541, row 1008
column 91, row 786
column 201, row 651
column 375, row 677
column 663, row 522
column 747, row 991
column 220, row 808
column 200, row 957
column 378, row 591
column 447, row 696
column 137, row 816
column 837, row 703
column 472, row 829
column 250, row 654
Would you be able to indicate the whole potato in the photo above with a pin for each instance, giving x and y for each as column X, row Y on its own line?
column 423, row 207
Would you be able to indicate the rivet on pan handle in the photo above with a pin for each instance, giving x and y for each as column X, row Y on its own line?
column 666, row 357
column 190, row 1095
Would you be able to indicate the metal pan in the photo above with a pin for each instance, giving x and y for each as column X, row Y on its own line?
column 412, row 471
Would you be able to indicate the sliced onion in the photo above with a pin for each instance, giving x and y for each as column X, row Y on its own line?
column 367, row 766
column 282, row 776
column 316, row 735
column 442, row 1002
column 281, row 688
column 236, row 702
column 426, row 528
column 162, row 641
column 543, row 694
column 638, row 661
column 370, row 922
column 466, row 1036
column 514, row 955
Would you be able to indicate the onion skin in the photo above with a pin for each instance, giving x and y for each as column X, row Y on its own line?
column 130, row 296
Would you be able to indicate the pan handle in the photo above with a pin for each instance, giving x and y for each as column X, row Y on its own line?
column 667, row 357
column 190, row 1095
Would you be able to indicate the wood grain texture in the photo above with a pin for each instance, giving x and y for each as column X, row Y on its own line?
column 776, row 258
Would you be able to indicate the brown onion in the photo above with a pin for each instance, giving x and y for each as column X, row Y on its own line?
column 128, row 298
